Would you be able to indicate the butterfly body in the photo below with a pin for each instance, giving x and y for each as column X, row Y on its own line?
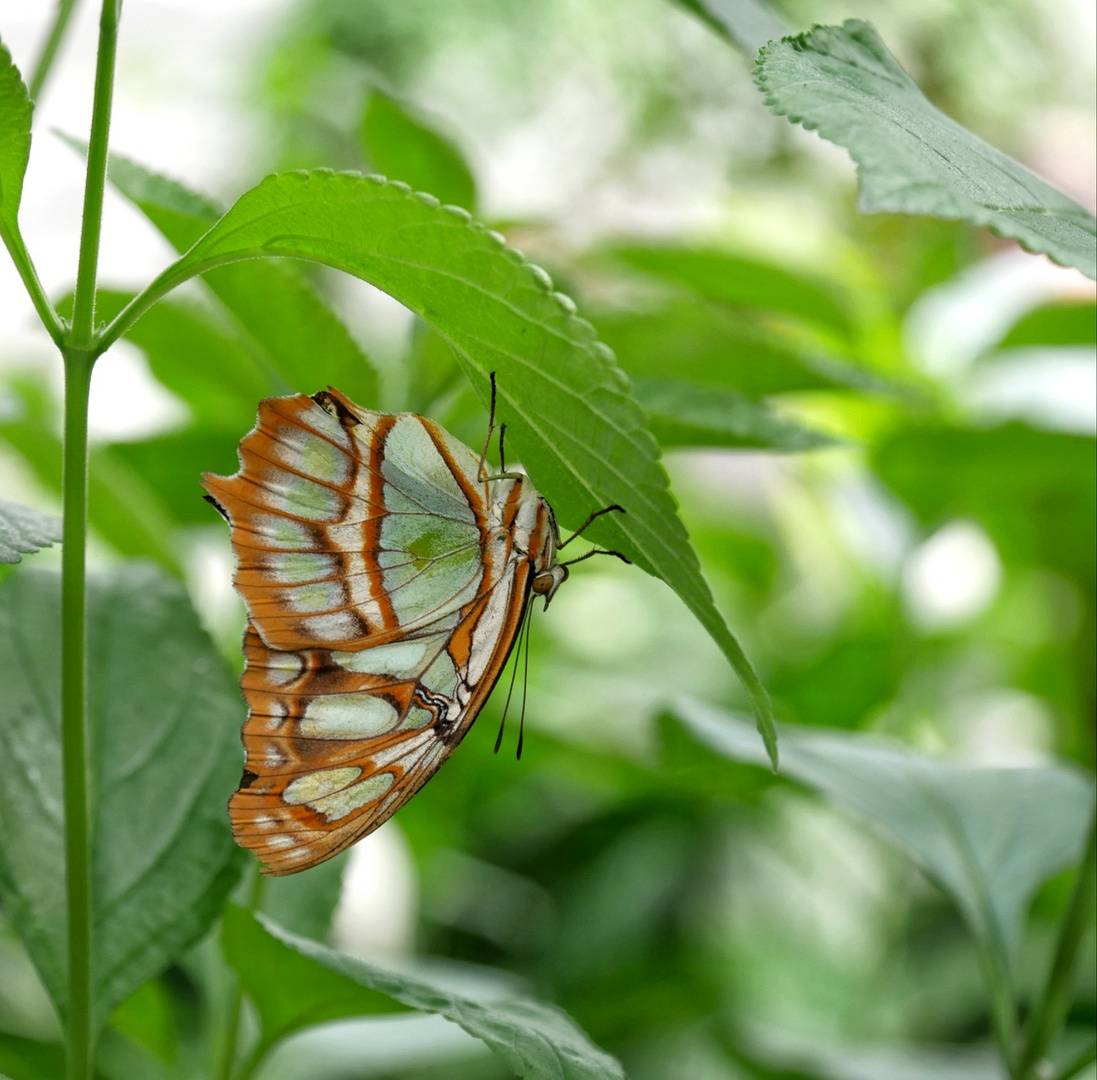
column 386, row 577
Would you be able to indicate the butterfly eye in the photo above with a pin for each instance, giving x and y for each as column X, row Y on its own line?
column 548, row 581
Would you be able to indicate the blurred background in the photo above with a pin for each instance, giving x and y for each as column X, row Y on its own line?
column 909, row 552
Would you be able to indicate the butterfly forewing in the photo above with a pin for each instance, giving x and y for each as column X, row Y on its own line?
column 384, row 591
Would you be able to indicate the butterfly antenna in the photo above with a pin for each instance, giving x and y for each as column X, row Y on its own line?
column 487, row 437
column 513, row 676
column 525, row 688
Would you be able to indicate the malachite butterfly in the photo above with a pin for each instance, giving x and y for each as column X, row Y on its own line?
column 386, row 576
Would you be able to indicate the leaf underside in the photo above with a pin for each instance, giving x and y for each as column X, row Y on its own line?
column 23, row 530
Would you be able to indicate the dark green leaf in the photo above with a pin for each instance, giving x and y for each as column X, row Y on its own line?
column 988, row 837
column 289, row 990
column 164, row 717
column 912, row 159
column 15, row 120
column 705, row 343
column 124, row 510
column 747, row 23
column 30, row 1059
column 25, row 530
column 1035, row 492
column 1059, row 323
column 404, row 148
column 685, row 414
column 563, row 398
column 536, row 1040
column 744, row 283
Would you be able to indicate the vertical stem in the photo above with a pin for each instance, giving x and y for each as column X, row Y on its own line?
column 56, row 35
column 79, row 352
column 1054, row 1003
column 74, row 736
column 83, row 304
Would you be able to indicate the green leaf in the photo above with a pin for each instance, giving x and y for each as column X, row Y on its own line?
column 1035, row 492
column 29, row 1059
column 536, row 1040
column 743, row 283
column 564, row 400
column 746, row 23
column 706, row 343
column 1059, row 323
column 123, row 509
column 404, row 148
column 305, row 903
column 25, row 530
column 912, row 159
column 284, row 319
column 164, row 717
column 685, row 414
column 289, row 990
column 988, row 837
column 15, row 120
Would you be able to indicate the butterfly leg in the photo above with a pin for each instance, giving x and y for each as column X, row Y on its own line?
column 593, row 517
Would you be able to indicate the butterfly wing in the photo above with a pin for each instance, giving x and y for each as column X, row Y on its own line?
column 352, row 527
column 338, row 741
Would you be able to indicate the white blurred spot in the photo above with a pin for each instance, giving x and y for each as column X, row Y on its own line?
column 603, row 618
column 952, row 577
column 376, row 911
column 127, row 403
column 1003, row 728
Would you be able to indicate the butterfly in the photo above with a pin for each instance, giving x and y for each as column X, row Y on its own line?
column 386, row 577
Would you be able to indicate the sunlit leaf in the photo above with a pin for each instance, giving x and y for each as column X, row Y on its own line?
column 164, row 720
column 536, row 1040
column 913, row 159
column 30, row 1059
column 988, row 836
column 403, row 148
column 708, row 344
column 15, row 120
column 684, row 414
column 741, row 282
column 564, row 400
column 23, row 530
column 1059, row 323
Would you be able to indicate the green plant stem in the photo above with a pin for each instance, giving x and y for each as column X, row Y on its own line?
column 74, row 735
column 61, row 20
column 79, row 353
column 1054, row 1003
column 83, row 304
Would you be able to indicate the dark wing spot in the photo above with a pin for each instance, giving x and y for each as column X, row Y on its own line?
column 248, row 779
column 217, row 506
column 332, row 405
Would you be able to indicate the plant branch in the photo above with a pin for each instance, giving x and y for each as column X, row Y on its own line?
column 22, row 260
column 79, row 355
column 1054, row 1003
column 50, row 46
column 83, row 305
column 74, row 736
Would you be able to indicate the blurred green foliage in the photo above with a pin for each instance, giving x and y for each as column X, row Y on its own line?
column 697, row 916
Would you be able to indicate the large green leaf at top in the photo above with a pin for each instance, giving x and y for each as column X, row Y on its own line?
column 15, row 121
column 535, row 1040
column 564, row 400
column 747, row 23
column 913, row 159
column 23, row 530
column 683, row 414
column 988, row 836
column 292, row 330
column 164, row 716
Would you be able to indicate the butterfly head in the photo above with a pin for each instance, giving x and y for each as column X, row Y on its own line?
column 548, row 580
